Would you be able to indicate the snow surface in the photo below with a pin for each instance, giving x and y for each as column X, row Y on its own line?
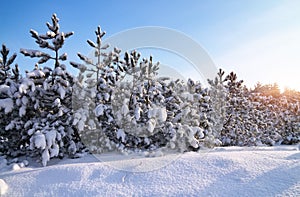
column 232, row 171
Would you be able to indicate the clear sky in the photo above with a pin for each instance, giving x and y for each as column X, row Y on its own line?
column 258, row 39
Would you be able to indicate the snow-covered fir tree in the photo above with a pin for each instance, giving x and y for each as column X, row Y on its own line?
column 92, row 94
column 189, row 106
column 138, row 105
column 9, row 79
column 49, row 131
column 218, row 94
column 238, row 124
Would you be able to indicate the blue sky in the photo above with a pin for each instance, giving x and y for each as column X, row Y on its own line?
column 257, row 39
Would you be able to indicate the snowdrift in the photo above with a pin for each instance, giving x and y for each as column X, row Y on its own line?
column 231, row 171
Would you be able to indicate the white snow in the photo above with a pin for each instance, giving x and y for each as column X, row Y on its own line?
column 35, row 74
column 121, row 134
column 151, row 125
column 22, row 111
column 15, row 166
column 58, row 71
column 3, row 187
column 137, row 112
column 160, row 113
column 57, row 102
column 80, row 125
column 106, row 96
column 230, row 171
column 24, row 100
column 10, row 126
column 50, row 138
column 99, row 111
column 72, row 147
column 62, row 92
column 124, row 108
column 25, row 84
column 54, row 150
column 45, row 157
column 199, row 131
column 32, row 53
column 7, row 104
column 5, row 89
column 38, row 140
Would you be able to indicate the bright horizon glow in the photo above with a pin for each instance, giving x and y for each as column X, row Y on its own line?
column 272, row 57
column 259, row 40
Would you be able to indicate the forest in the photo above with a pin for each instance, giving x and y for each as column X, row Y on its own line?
column 50, row 112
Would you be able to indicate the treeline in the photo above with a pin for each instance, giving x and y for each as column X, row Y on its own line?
column 50, row 113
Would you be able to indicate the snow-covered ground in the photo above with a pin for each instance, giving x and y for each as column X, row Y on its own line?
column 232, row 171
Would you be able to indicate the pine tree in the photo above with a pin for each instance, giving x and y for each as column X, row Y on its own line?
column 49, row 130
column 237, row 128
column 268, row 89
column 193, row 117
column 5, row 69
column 9, row 79
column 218, row 94
column 139, row 107
column 93, row 94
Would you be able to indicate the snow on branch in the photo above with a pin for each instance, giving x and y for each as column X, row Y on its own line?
column 33, row 53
